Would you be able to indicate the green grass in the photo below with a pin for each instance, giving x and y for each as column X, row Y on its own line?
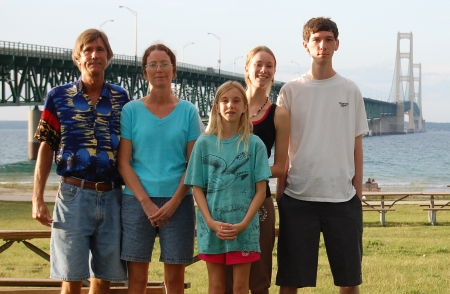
column 407, row 256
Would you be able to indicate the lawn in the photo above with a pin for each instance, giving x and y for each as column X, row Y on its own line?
column 407, row 256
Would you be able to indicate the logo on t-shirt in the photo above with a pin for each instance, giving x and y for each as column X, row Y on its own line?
column 343, row 104
column 224, row 174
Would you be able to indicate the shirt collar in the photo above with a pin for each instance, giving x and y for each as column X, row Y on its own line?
column 106, row 91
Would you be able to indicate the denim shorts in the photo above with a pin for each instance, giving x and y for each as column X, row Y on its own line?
column 86, row 235
column 176, row 237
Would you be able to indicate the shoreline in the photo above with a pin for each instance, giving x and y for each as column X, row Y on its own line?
column 24, row 194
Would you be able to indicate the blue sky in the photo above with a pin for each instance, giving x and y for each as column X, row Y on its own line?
column 368, row 36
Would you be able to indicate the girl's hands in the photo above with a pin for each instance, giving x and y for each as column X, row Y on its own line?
column 225, row 231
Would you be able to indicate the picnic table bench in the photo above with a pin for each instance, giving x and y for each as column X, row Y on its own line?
column 395, row 197
column 53, row 286
column 384, row 207
column 50, row 285
column 11, row 236
column 432, row 208
column 54, row 290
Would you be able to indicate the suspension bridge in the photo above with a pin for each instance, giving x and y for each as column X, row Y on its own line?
column 28, row 72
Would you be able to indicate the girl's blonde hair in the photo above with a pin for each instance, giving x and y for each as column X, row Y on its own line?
column 249, row 58
column 215, row 119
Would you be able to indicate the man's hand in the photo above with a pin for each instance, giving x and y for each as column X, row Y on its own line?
column 41, row 214
column 42, row 170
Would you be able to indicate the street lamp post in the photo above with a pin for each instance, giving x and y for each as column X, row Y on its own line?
column 103, row 23
column 298, row 67
column 185, row 47
column 135, row 36
column 234, row 62
column 218, row 38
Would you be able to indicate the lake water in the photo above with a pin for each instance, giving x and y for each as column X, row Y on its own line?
column 412, row 162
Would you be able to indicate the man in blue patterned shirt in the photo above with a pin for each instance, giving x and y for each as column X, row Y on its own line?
column 80, row 128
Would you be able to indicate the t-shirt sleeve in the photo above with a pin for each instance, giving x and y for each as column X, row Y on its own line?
column 194, row 172
column 49, row 127
column 361, row 126
column 202, row 126
column 126, row 121
column 282, row 98
column 194, row 126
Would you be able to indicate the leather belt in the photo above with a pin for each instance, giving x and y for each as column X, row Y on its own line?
column 97, row 186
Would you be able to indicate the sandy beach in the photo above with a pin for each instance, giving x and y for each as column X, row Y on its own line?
column 24, row 194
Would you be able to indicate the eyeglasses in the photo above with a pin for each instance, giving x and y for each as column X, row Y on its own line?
column 155, row 65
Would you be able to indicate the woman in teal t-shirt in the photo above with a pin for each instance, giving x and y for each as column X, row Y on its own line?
column 158, row 133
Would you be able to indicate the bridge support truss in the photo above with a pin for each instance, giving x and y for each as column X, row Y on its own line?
column 415, row 113
column 28, row 72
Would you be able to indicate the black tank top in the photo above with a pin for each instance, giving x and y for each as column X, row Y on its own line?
column 265, row 130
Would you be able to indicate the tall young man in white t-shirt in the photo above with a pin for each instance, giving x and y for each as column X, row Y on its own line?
column 322, row 188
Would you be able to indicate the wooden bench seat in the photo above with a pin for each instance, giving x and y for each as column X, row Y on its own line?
column 57, row 290
column 26, row 282
column 48, row 285
column 19, row 235
column 432, row 213
column 381, row 211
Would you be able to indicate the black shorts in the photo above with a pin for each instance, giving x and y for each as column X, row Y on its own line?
column 298, row 241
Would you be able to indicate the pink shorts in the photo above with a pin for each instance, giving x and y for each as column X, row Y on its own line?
column 230, row 258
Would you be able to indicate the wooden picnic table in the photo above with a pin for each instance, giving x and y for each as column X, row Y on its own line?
column 395, row 197
column 11, row 236
column 52, row 286
column 384, row 207
column 432, row 208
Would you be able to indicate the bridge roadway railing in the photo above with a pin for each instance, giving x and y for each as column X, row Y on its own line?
column 376, row 109
column 38, row 51
column 28, row 72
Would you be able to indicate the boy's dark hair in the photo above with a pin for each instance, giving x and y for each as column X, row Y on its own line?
column 318, row 24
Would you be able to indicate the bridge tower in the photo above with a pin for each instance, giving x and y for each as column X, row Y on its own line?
column 418, row 96
column 409, row 77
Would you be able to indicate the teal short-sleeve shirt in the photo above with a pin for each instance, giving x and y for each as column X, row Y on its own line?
column 227, row 176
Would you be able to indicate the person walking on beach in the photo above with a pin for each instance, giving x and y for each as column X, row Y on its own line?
column 228, row 170
column 271, row 125
column 80, row 127
column 158, row 134
column 323, row 186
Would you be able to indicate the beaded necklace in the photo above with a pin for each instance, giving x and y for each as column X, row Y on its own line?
column 260, row 108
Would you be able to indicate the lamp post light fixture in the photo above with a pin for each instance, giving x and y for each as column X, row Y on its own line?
column 218, row 38
column 103, row 23
column 135, row 36
column 298, row 67
column 234, row 62
column 185, row 47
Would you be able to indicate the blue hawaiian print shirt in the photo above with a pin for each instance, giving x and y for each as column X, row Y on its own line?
column 85, row 137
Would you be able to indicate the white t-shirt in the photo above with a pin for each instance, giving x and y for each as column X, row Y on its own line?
column 326, row 116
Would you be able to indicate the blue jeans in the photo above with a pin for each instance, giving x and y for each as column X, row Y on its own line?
column 86, row 235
